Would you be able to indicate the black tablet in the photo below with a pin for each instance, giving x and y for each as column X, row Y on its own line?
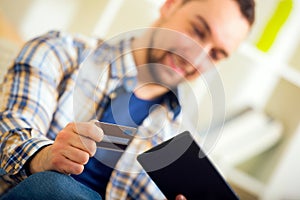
column 178, row 166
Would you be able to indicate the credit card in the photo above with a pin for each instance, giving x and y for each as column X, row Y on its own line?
column 116, row 137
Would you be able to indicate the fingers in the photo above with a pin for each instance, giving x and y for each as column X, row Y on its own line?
column 86, row 144
column 73, row 147
column 52, row 158
column 75, row 155
column 89, row 130
column 180, row 197
column 82, row 136
column 64, row 165
column 70, row 151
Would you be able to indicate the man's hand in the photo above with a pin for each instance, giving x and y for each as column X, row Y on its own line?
column 180, row 197
column 71, row 150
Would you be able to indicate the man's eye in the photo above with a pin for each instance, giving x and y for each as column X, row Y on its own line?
column 199, row 33
column 215, row 55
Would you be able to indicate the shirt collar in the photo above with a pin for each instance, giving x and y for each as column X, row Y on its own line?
column 123, row 66
column 172, row 102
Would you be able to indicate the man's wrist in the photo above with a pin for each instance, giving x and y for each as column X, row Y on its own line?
column 34, row 163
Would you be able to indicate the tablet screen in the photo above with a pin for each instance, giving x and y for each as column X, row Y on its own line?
column 178, row 166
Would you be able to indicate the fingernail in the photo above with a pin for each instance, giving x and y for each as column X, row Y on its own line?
column 100, row 131
column 180, row 197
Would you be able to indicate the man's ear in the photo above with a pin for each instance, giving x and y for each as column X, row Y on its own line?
column 169, row 7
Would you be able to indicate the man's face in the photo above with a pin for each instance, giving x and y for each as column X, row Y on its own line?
column 186, row 31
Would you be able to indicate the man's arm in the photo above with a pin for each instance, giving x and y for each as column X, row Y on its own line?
column 29, row 97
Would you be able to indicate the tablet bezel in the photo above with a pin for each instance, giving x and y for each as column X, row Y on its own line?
column 178, row 166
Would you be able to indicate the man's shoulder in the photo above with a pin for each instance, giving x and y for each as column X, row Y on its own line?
column 55, row 37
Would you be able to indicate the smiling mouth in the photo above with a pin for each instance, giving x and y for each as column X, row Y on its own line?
column 175, row 65
column 180, row 66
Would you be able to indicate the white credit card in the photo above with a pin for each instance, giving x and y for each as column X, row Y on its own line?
column 116, row 137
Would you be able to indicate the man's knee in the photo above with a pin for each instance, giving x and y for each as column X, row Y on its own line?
column 51, row 185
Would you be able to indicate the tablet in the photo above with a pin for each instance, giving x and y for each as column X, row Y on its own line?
column 178, row 166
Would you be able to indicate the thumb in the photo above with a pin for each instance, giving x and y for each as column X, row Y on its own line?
column 180, row 197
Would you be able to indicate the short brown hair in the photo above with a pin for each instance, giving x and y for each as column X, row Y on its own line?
column 247, row 8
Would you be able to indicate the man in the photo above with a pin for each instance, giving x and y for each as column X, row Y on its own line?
column 47, row 135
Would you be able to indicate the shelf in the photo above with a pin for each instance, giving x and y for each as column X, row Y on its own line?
column 254, row 175
column 295, row 58
column 253, row 53
column 286, row 179
column 292, row 75
column 279, row 69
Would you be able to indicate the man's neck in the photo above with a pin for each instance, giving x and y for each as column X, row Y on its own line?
column 145, row 89
column 149, row 91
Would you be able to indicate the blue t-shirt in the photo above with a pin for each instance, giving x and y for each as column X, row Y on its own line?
column 127, row 110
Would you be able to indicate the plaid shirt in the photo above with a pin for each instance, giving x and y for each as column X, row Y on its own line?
column 59, row 78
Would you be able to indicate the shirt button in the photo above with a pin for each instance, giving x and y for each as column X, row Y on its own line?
column 112, row 95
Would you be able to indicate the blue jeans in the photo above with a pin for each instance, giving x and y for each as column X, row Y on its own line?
column 50, row 185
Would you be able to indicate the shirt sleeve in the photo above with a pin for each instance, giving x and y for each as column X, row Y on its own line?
column 29, row 96
column 129, row 180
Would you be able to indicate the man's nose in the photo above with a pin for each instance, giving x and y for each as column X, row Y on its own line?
column 207, row 47
column 204, row 51
column 203, row 56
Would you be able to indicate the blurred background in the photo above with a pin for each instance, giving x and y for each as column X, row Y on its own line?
column 260, row 143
